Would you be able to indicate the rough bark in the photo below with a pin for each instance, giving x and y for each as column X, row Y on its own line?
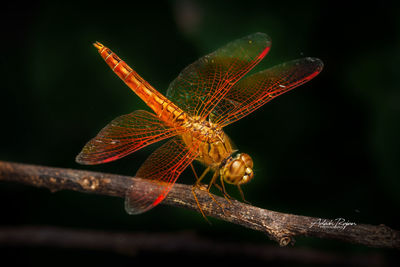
column 280, row 227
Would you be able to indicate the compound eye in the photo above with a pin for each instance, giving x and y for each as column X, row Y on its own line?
column 248, row 175
column 237, row 168
column 247, row 160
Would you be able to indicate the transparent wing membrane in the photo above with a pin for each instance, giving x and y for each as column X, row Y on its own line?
column 161, row 169
column 201, row 85
column 254, row 91
column 124, row 135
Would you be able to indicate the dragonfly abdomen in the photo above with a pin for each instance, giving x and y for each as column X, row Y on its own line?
column 164, row 108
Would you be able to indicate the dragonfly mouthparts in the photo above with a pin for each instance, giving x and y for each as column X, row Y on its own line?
column 98, row 45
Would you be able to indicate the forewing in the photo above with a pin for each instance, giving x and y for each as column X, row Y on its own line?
column 201, row 85
column 161, row 169
column 254, row 91
column 123, row 136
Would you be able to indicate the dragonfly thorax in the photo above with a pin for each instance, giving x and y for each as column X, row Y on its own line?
column 205, row 130
column 208, row 141
column 215, row 149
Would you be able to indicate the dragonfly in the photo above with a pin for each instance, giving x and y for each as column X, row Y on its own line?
column 208, row 95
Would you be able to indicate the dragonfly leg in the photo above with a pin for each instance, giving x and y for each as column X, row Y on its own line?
column 242, row 195
column 194, row 171
column 215, row 176
column 226, row 195
column 198, row 204
column 197, row 184
column 198, row 179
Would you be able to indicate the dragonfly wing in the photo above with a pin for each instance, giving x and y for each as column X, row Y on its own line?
column 123, row 136
column 254, row 91
column 162, row 168
column 201, row 85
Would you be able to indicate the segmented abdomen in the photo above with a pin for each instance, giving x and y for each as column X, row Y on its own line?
column 164, row 108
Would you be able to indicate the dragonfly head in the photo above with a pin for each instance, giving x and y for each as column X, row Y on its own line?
column 238, row 170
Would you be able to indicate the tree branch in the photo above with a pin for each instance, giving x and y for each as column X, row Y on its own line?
column 278, row 226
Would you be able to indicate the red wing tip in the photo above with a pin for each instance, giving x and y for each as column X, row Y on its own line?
column 264, row 53
column 158, row 200
column 81, row 159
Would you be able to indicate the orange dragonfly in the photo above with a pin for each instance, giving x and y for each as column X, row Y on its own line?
column 206, row 96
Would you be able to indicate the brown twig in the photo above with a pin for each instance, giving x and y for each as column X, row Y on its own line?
column 280, row 227
column 180, row 242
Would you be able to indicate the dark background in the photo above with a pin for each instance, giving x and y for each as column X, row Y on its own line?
column 329, row 149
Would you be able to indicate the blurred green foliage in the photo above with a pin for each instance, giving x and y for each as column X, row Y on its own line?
column 330, row 148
